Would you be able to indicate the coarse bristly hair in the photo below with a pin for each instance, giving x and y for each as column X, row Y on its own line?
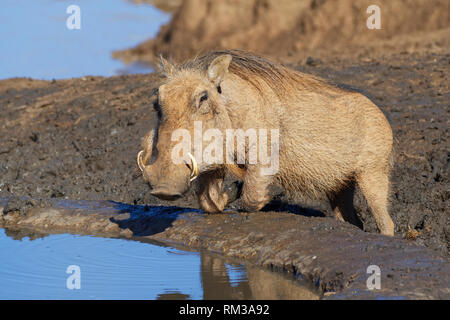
column 253, row 69
column 332, row 138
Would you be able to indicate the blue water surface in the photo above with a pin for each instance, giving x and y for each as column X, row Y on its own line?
column 109, row 269
column 36, row 43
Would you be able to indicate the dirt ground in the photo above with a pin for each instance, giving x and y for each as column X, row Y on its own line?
column 78, row 138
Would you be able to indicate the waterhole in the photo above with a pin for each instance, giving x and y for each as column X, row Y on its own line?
column 38, row 43
column 66, row 266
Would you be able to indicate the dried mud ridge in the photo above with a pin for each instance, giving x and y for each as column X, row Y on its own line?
column 331, row 255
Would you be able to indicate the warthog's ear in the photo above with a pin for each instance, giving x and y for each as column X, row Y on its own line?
column 166, row 68
column 218, row 69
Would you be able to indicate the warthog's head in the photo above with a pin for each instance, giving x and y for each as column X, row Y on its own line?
column 188, row 94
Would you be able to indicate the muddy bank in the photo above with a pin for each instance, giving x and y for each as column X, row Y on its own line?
column 78, row 139
column 330, row 255
column 287, row 28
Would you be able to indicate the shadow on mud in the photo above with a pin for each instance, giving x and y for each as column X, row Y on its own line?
column 141, row 220
column 149, row 220
column 146, row 220
column 282, row 206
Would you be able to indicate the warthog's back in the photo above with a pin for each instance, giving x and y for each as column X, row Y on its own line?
column 327, row 138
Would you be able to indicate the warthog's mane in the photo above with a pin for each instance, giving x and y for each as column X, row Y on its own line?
column 253, row 68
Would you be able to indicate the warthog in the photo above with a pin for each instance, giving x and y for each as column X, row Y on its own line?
column 329, row 138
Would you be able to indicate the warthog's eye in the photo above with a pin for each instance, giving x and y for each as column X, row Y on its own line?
column 200, row 103
column 204, row 97
column 219, row 89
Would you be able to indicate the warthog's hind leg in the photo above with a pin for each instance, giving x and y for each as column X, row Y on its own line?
column 342, row 205
column 374, row 184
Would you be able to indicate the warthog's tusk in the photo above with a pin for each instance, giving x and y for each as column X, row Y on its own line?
column 139, row 160
column 193, row 167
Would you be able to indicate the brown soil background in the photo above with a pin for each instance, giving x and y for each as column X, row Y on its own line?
column 292, row 28
column 78, row 138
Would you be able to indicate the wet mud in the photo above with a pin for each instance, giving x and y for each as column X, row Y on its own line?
column 78, row 139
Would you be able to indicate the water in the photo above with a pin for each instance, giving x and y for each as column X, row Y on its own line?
column 35, row 41
column 35, row 267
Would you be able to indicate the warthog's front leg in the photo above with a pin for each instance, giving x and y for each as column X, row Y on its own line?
column 211, row 196
column 255, row 193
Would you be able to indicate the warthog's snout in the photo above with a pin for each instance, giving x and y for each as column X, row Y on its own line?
column 168, row 186
column 165, row 194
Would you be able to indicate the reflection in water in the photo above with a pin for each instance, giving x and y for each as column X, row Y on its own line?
column 224, row 281
column 216, row 280
column 123, row 269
